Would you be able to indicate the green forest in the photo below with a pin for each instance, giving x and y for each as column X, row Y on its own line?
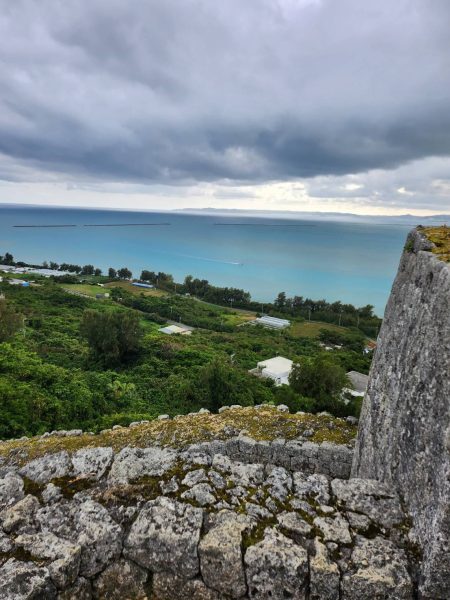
column 70, row 360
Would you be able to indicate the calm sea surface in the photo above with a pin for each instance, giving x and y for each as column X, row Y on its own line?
column 352, row 262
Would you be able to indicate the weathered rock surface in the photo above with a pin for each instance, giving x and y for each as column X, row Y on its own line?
column 276, row 568
column 133, row 463
column 25, row 580
column 324, row 575
column 88, row 525
column 122, row 579
column 371, row 498
column 405, row 421
column 165, row 537
column 92, row 462
column 380, row 571
column 52, row 466
column 197, row 524
column 11, row 489
column 220, row 552
column 80, row 590
column 167, row 586
column 334, row 529
column 20, row 516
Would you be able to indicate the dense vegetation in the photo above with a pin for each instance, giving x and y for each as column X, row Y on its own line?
column 338, row 313
column 71, row 361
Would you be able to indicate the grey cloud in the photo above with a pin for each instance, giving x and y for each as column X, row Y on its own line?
column 148, row 91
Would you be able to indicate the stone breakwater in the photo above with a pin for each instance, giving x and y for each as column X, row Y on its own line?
column 213, row 521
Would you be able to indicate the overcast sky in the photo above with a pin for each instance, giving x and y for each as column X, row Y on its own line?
column 331, row 105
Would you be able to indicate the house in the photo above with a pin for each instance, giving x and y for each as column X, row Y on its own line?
column 278, row 369
column 176, row 329
column 370, row 347
column 359, row 382
column 102, row 296
column 272, row 322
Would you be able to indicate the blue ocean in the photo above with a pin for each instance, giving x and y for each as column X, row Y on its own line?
column 351, row 262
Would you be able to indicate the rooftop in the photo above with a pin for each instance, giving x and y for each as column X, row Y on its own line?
column 278, row 364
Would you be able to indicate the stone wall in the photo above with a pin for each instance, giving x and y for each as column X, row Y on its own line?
column 157, row 523
column 404, row 432
column 333, row 460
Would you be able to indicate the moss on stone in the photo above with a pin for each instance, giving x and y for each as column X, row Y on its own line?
column 440, row 236
column 262, row 424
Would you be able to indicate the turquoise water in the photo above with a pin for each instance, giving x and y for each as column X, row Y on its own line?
column 352, row 262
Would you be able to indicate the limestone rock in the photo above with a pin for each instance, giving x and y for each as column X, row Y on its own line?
column 21, row 515
column 371, row 498
column 92, row 462
column 169, row 487
column 200, row 493
column 11, row 489
column 64, row 556
column 123, row 579
column 167, row 586
column 294, row 525
column 25, row 581
column 324, row 575
column 276, row 568
column 51, row 493
column 220, row 552
column 6, row 545
column 132, row 463
column 380, row 571
column 404, row 424
column 48, row 467
column 313, row 486
column 165, row 537
column 279, row 483
column 216, row 480
column 334, row 529
column 194, row 477
column 358, row 522
column 88, row 525
column 80, row 590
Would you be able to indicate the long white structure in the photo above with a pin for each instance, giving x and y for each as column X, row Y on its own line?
column 272, row 322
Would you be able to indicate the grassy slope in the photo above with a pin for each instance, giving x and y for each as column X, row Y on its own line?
column 440, row 236
column 311, row 329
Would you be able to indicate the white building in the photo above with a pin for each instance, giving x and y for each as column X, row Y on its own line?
column 278, row 369
column 175, row 329
column 272, row 322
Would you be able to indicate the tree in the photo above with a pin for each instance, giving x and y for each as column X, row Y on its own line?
column 10, row 321
column 148, row 276
column 280, row 301
column 97, row 272
column 112, row 273
column 220, row 384
column 124, row 273
column 54, row 265
column 87, row 270
column 319, row 377
column 113, row 337
column 8, row 259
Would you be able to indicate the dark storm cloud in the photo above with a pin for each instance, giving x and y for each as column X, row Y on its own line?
column 192, row 90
